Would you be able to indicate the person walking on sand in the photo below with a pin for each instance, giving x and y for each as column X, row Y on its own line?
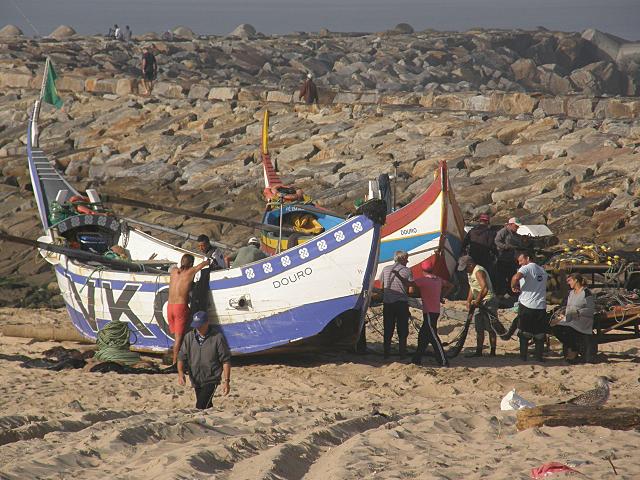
column 206, row 353
column 432, row 290
column 482, row 298
column 149, row 70
column 396, row 280
column 309, row 91
column 178, row 308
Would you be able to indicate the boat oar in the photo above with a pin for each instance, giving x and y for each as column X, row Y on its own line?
column 173, row 231
column 80, row 254
column 190, row 213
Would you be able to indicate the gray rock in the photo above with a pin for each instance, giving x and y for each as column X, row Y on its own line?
column 244, row 30
column 62, row 32
column 183, row 33
column 490, row 147
column 10, row 31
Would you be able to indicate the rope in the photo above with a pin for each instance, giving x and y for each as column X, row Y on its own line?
column 113, row 344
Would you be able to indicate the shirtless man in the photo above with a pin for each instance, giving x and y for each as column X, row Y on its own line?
column 178, row 307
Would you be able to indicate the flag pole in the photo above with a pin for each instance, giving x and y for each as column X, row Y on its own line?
column 36, row 108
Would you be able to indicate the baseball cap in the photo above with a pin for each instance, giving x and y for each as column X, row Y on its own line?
column 515, row 220
column 199, row 319
column 463, row 262
column 254, row 241
column 428, row 264
column 309, row 75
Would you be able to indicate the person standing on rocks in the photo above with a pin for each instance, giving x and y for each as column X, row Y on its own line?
column 149, row 70
column 206, row 353
column 127, row 33
column 530, row 281
column 178, row 313
column 309, row 91
column 507, row 241
column 117, row 34
column 396, row 280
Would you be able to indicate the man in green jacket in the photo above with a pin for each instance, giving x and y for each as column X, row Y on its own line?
column 206, row 353
column 248, row 254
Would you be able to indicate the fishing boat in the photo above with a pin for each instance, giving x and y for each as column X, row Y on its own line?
column 306, row 297
column 429, row 226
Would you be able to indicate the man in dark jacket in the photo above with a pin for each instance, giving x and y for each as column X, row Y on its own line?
column 480, row 243
column 206, row 353
column 507, row 242
column 309, row 91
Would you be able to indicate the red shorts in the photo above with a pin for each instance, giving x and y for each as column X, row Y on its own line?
column 179, row 317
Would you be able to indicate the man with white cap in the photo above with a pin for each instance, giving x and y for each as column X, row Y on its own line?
column 309, row 91
column 507, row 242
column 248, row 254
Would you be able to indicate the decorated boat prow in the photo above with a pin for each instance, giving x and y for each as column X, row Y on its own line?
column 429, row 227
column 287, row 206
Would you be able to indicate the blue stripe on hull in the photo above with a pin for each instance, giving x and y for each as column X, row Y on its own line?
column 388, row 248
column 247, row 337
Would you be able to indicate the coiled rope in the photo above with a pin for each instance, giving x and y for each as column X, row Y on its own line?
column 114, row 346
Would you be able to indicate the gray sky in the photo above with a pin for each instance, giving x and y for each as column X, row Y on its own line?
column 620, row 17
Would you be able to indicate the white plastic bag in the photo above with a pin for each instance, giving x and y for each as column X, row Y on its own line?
column 513, row 401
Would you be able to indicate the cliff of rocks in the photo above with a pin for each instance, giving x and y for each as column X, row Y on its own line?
column 570, row 161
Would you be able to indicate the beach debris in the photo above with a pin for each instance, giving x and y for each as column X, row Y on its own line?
column 513, row 401
column 592, row 398
column 548, row 469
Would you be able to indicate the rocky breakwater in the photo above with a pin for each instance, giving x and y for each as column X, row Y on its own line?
column 580, row 175
column 398, row 60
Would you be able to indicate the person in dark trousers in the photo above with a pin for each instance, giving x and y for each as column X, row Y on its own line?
column 507, row 242
column 481, row 296
column 149, row 70
column 530, row 282
column 206, row 353
column 574, row 329
column 309, row 91
column 395, row 280
column 479, row 242
column 432, row 290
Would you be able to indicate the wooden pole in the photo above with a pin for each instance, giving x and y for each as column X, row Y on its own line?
column 190, row 213
column 81, row 254
column 557, row 415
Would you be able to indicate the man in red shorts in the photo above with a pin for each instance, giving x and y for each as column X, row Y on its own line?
column 178, row 312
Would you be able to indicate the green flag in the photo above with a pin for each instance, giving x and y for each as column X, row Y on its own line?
column 50, row 92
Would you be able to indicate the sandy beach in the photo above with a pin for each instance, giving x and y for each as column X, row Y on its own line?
column 323, row 416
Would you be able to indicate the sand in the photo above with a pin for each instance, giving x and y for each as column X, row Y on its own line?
column 321, row 416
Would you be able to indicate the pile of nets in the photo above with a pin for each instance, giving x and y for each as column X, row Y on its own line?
column 114, row 345
column 575, row 252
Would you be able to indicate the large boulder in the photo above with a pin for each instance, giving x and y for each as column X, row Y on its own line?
column 403, row 28
column 184, row 33
column 525, row 69
column 62, row 32
column 10, row 31
column 603, row 45
column 243, row 30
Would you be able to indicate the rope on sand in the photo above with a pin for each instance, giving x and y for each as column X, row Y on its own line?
column 114, row 346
